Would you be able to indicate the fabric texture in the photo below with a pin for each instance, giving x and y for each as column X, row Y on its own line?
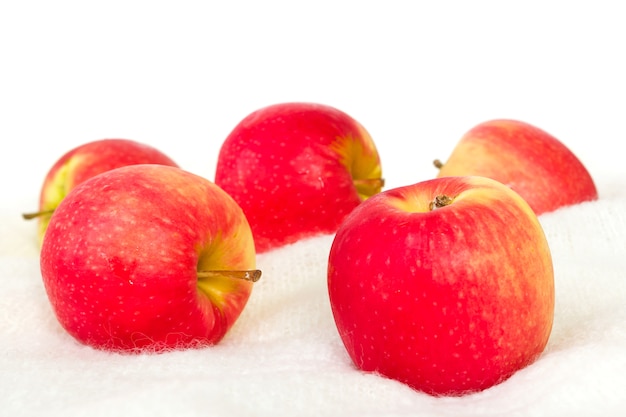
column 284, row 355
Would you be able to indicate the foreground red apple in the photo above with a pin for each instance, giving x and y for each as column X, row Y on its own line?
column 529, row 160
column 148, row 257
column 86, row 161
column 297, row 169
column 446, row 285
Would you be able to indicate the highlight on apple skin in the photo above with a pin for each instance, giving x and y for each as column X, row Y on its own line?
column 297, row 169
column 445, row 285
column 148, row 258
column 86, row 161
column 535, row 164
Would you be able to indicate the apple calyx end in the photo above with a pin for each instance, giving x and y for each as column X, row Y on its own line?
column 440, row 201
column 31, row 216
column 252, row 275
column 438, row 164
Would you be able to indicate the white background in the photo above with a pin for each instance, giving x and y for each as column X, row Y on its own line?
column 417, row 74
column 179, row 75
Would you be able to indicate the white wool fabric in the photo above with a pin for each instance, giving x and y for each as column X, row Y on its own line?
column 284, row 355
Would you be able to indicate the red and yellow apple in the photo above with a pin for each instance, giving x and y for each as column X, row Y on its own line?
column 86, row 161
column 446, row 285
column 297, row 169
column 148, row 257
column 531, row 161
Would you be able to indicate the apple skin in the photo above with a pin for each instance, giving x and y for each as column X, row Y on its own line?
column 121, row 256
column 448, row 301
column 297, row 169
column 86, row 161
column 529, row 160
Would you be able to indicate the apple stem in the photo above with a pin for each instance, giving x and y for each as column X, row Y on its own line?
column 252, row 275
column 370, row 182
column 440, row 201
column 438, row 164
column 30, row 216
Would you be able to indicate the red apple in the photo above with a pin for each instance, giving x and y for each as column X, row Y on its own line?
column 297, row 169
column 446, row 285
column 148, row 257
column 529, row 160
column 86, row 161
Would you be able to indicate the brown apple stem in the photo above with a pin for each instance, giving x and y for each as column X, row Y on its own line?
column 30, row 216
column 370, row 182
column 438, row 164
column 252, row 275
column 440, row 201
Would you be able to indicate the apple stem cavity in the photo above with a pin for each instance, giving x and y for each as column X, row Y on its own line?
column 366, row 187
column 252, row 275
column 30, row 216
column 439, row 202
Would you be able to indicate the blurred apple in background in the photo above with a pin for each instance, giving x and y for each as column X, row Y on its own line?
column 148, row 257
column 446, row 285
column 86, row 161
column 529, row 160
column 297, row 169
